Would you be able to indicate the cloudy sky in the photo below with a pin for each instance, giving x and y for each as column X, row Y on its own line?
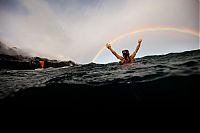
column 78, row 29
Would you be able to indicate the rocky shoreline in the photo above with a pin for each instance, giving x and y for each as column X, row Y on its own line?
column 26, row 63
column 11, row 58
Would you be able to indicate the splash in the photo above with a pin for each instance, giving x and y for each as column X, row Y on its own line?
column 122, row 36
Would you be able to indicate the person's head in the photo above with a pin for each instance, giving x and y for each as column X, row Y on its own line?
column 125, row 54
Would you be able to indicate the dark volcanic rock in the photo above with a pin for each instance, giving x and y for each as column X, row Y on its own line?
column 10, row 58
column 23, row 63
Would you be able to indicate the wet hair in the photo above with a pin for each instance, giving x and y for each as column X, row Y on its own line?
column 125, row 53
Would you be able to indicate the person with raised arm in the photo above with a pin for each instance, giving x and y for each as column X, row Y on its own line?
column 126, row 58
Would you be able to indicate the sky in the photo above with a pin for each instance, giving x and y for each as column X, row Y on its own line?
column 77, row 29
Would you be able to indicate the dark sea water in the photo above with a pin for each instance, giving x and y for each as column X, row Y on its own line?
column 155, row 81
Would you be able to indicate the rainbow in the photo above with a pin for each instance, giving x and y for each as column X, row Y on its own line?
column 122, row 36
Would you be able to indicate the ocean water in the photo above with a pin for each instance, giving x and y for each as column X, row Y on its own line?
column 154, row 81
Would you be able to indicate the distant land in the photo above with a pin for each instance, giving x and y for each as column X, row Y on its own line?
column 16, row 59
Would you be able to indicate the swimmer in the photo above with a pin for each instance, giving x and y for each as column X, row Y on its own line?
column 127, row 58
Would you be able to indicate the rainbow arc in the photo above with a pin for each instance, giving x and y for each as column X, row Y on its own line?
column 122, row 36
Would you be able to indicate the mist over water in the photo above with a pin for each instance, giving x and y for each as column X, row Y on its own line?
column 77, row 30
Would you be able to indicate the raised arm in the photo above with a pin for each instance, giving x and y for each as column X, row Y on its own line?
column 136, row 50
column 115, row 53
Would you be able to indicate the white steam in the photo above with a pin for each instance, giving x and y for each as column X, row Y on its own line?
column 76, row 30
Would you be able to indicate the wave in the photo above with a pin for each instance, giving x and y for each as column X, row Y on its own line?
column 165, row 78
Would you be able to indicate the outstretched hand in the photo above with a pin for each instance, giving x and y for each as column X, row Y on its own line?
column 140, row 41
column 108, row 46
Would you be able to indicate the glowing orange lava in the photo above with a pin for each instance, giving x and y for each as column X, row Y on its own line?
column 42, row 64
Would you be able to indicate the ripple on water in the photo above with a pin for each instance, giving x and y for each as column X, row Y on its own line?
column 154, row 68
